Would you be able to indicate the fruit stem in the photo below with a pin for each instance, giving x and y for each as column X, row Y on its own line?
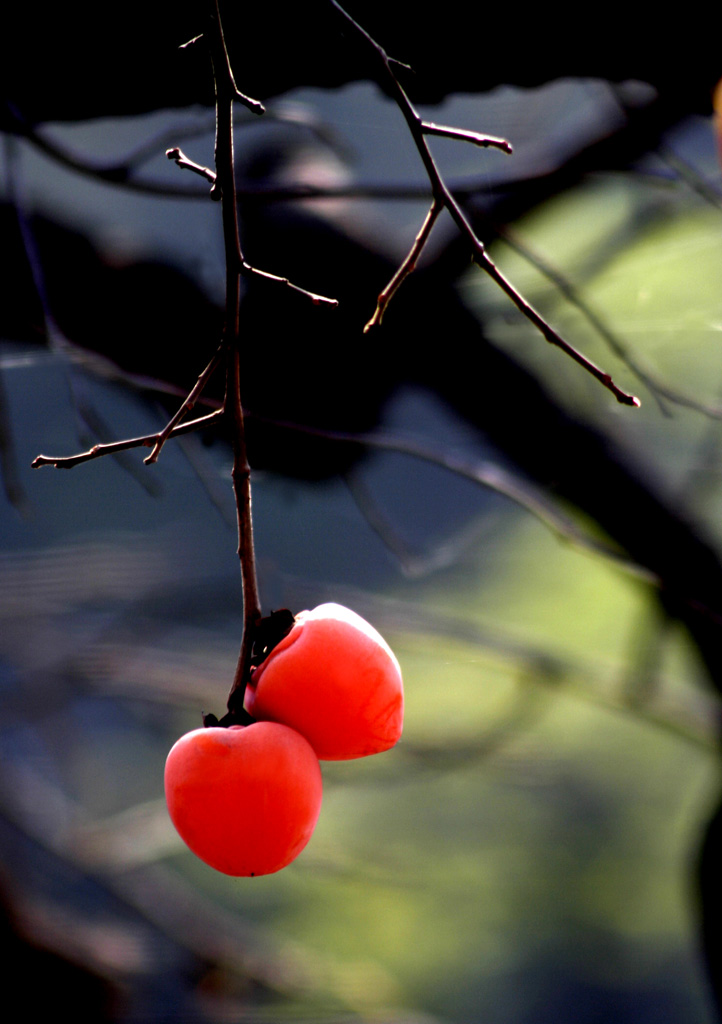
column 246, row 551
column 226, row 93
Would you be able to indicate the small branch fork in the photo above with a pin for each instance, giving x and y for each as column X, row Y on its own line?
column 443, row 199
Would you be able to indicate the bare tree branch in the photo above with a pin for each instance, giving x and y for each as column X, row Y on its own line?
column 406, row 268
column 226, row 91
column 187, row 405
column 147, row 441
column 475, row 138
column 177, row 154
column 443, row 196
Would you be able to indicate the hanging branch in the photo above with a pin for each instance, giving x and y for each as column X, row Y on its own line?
column 241, row 474
column 227, row 355
column 419, row 129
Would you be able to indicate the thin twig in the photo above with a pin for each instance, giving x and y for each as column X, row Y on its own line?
column 191, row 42
column 177, row 154
column 442, row 194
column 186, row 406
column 475, row 138
column 226, row 92
column 223, row 76
column 146, row 441
column 548, row 332
column 318, row 300
column 406, row 268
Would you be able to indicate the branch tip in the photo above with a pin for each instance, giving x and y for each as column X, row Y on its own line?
column 375, row 320
column 255, row 106
column 177, row 154
column 475, row 138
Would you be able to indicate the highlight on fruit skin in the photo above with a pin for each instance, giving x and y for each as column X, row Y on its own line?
column 335, row 680
column 244, row 799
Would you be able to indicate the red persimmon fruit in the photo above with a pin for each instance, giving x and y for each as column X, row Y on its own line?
column 244, row 799
column 335, row 680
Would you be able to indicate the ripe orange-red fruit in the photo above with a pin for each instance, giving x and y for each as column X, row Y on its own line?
column 244, row 799
column 335, row 680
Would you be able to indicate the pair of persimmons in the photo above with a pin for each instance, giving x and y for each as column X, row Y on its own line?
column 246, row 799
